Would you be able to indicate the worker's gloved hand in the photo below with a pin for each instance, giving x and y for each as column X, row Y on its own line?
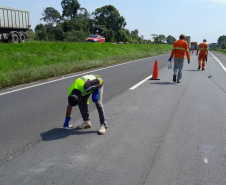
column 66, row 123
column 188, row 61
column 170, row 59
column 95, row 95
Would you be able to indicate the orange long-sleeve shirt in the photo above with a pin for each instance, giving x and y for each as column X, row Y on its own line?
column 203, row 48
column 180, row 47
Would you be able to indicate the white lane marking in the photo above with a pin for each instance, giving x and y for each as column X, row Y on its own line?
column 135, row 86
column 206, row 160
column 63, row 78
column 219, row 62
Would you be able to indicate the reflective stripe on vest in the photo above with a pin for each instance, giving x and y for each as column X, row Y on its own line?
column 181, row 48
column 83, row 79
column 203, row 48
column 101, row 80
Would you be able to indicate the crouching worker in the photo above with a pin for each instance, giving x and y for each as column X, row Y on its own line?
column 79, row 93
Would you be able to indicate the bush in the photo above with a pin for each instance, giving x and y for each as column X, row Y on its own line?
column 30, row 35
column 76, row 36
column 109, row 35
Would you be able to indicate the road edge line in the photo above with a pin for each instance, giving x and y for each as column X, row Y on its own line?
column 224, row 68
column 138, row 84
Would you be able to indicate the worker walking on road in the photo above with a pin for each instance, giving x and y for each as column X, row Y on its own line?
column 79, row 93
column 180, row 47
column 204, row 49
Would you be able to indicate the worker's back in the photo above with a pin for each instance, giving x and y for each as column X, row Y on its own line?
column 180, row 46
column 203, row 47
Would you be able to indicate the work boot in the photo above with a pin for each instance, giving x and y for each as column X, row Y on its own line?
column 86, row 124
column 199, row 68
column 102, row 129
column 174, row 78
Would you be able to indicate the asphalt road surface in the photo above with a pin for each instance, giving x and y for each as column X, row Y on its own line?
column 160, row 132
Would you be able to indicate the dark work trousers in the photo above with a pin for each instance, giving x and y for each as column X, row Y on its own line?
column 83, row 107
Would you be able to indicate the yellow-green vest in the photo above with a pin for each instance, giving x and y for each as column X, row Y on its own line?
column 79, row 84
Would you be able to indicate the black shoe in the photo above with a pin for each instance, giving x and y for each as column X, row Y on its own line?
column 174, row 78
column 178, row 81
column 203, row 69
column 199, row 68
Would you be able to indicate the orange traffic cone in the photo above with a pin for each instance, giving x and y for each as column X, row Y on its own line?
column 155, row 75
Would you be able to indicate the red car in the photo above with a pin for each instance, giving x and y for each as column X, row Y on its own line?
column 95, row 38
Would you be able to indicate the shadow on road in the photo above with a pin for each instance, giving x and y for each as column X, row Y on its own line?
column 59, row 133
column 163, row 83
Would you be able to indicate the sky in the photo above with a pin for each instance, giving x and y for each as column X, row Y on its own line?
column 199, row 19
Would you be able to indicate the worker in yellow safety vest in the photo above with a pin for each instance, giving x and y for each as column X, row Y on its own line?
column 79, row 93
column 204, row 49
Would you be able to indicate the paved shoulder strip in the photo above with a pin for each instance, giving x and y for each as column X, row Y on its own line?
column 219, row 62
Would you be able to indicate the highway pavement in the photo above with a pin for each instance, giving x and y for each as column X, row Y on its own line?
column 160, row 132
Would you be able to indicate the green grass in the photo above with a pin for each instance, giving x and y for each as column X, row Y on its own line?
column 219, row 50
column 32, row 61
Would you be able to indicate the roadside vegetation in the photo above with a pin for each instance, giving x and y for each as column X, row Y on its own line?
column 59, row 46
column 32, row 61
column 220, row 50
column 220, row 46
column 75, row 24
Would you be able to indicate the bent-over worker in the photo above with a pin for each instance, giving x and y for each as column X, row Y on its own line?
column 79, row 93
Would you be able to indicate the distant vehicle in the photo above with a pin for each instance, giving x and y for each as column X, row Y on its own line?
column 195, row 45
column 13, row 24
column 97, row 36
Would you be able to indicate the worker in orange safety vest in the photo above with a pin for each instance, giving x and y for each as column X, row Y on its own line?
column 180, row 47
column 204, row 49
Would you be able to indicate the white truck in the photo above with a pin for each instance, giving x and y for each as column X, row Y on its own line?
column 13, row 24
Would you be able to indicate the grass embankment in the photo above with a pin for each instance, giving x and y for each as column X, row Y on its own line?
column 28, row 62
column 219, row 50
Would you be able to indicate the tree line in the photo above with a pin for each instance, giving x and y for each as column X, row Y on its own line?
column 222, row 40
column 76, row 24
